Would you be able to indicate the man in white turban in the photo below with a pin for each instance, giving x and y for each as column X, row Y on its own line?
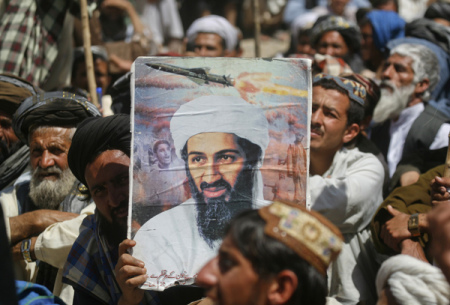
column 222, row 140
column 213, row 36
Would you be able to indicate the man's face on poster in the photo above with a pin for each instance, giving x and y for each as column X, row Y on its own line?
column 163, row 154
column 215, row 161
column 221, row 179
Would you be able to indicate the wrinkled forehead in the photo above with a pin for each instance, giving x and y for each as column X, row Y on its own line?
column 64, row 133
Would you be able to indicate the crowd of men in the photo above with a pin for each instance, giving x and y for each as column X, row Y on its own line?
column 379, row 227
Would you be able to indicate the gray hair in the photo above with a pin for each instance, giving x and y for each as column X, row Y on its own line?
column 425, row 64
column 35, row 128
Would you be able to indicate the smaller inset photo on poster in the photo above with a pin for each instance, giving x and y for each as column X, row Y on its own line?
column 212, row 137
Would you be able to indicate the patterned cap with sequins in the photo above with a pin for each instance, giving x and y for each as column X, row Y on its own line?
column 309, row 234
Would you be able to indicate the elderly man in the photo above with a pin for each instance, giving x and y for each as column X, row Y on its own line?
column 213, row 36
column 222, row 150
column 335, row 36
column 99, row 158
column 48, row 194
column 346, row 184
column 408, row 78
column 14, row 155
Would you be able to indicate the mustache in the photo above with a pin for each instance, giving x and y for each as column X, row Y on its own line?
column 47, row 171
column 387, row 84
column 316, row 129
column 122, row 205
column 219, row 183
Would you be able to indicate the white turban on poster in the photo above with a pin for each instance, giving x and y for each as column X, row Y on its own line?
column 213, row 113
column 175, row 244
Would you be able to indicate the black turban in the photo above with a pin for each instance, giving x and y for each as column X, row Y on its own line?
column 438, row 10
column 96, row 135
column 59, row 109
column 431, row 31
column 349, row 31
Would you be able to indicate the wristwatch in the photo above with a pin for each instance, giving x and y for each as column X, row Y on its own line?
column 25, row 249
column 413, row 225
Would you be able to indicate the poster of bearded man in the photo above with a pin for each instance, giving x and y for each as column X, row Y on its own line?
column 212, row 137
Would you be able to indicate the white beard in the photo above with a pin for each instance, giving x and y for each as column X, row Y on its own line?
column 48, row 194
column 392, row 103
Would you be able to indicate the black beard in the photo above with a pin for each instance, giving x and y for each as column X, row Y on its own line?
column 216, row 214
column 116, row 231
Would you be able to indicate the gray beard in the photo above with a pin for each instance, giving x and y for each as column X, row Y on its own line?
column 47, row 194
column 391, row 104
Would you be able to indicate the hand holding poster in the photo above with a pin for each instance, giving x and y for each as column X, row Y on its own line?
column 212, row 137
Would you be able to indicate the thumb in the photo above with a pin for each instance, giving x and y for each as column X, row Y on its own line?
column 392, row 211
column 125, row 245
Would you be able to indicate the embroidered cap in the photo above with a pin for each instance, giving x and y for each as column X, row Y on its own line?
column 309, row 234
column 355, row 90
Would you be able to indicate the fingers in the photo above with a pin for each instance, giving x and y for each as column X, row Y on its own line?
column 392, row 211
column 125, row 245
column 132, row 275
column 388, row 239
column 439, row 190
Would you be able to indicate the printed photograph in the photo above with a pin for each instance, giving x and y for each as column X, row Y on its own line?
column 212, row 137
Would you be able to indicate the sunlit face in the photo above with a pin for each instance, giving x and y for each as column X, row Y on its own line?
column 49, row 147
column 215, row 161
column 107, row 178
column 398, row 71
column 329, row 120
column 229, row 278
column 332, row 43
column 163, row 154
column 209, row 45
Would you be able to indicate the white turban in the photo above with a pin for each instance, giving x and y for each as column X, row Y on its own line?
column 412, row 281
column 213, row 113
column 217, row 25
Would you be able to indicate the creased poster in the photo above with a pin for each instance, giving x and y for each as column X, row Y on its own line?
column 212, row 137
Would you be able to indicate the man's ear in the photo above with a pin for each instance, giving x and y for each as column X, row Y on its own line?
column 282, row 288
column 351, row 132
column 422, row 86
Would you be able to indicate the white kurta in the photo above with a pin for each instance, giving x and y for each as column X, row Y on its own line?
column 171, row 247
column 170, row 242
column 348, row 194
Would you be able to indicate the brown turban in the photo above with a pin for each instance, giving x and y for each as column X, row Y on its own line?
column 13, row 90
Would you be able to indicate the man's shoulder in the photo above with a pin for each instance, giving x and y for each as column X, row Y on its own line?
column 87, row 231
column 84, row 246
column 349, row 162
column 355, row 156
